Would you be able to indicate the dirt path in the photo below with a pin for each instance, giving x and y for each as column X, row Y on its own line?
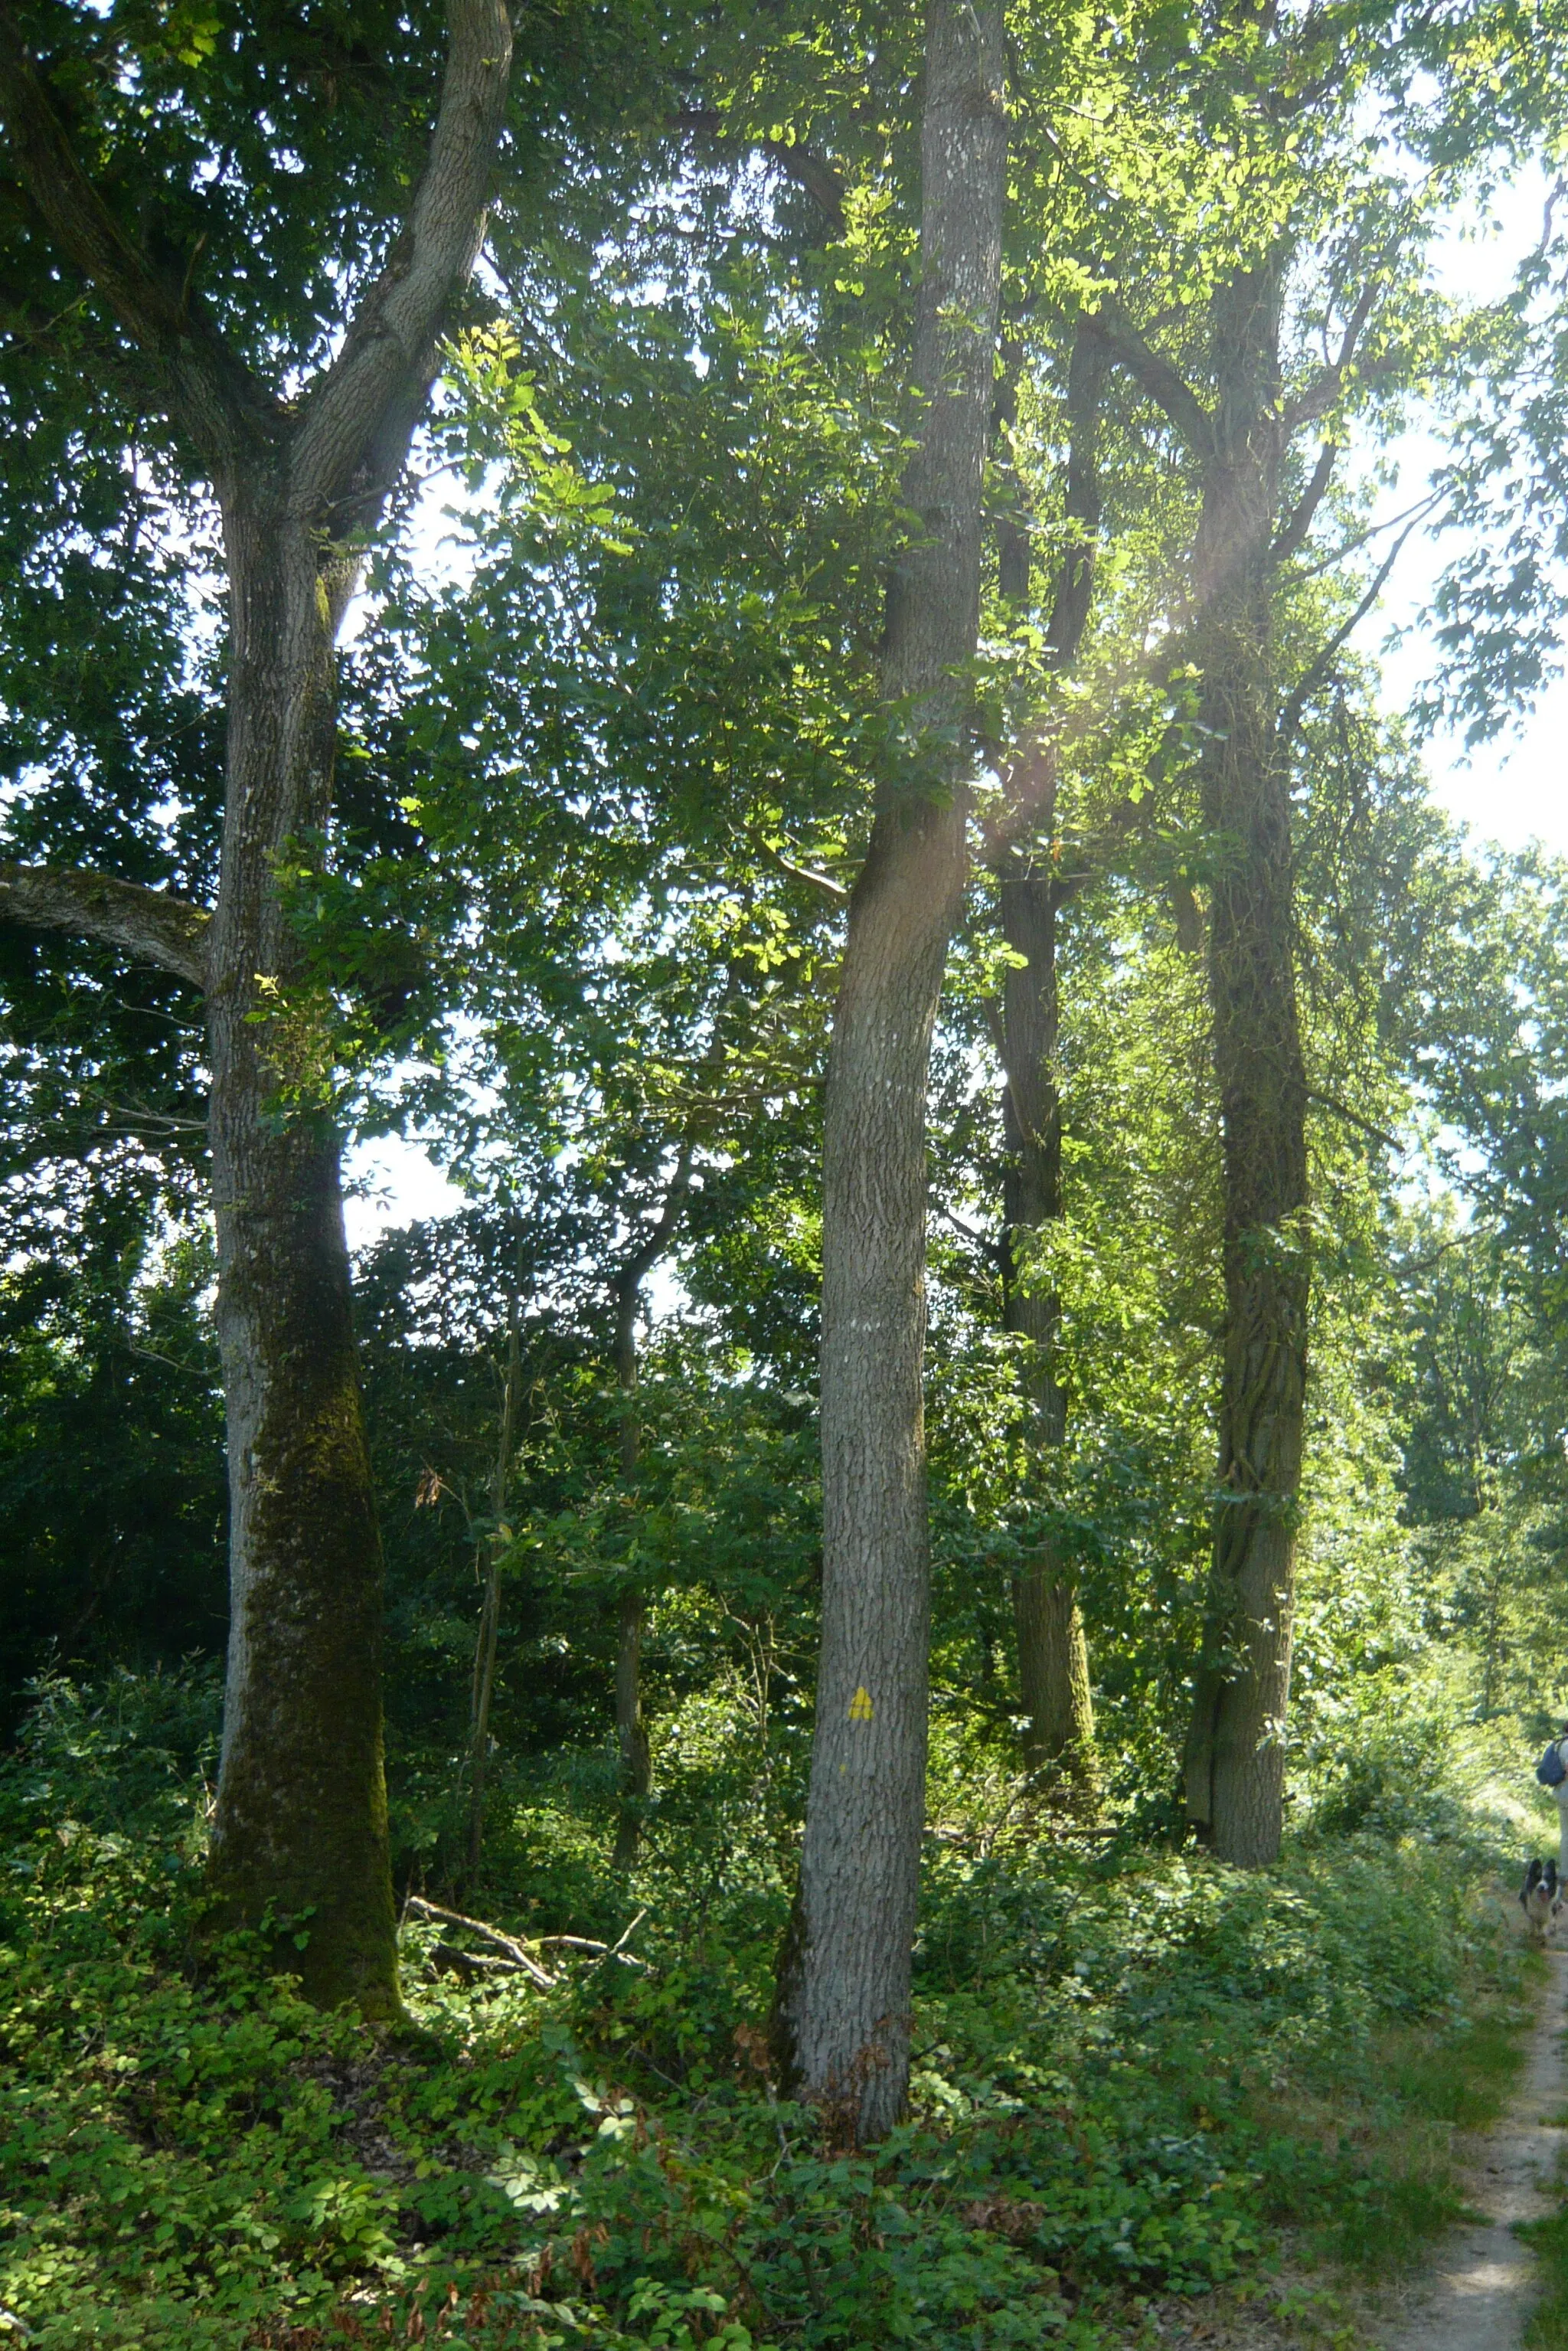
column 1479, row 2293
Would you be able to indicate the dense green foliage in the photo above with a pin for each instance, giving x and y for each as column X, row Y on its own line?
column 1135, row 2073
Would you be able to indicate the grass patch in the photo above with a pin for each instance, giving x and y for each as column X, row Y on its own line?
column 1546, row 2329
column 1364, row 2166
column 1465, row 2080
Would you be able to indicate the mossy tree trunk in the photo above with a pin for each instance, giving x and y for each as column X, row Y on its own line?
column 1234, row 1768
column 299, row 1829
column 300, row 1822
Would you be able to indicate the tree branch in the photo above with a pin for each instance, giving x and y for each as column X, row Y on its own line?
column 516, row 1951
column 1299, row 522
column 357, row 419
column 1168, row 388
column 353, row 430
column 835, row 891
column 1318, row 669
column 1325, row 388
column 819, row 180
column 628, row 1279
column 152, row 923
column 208, row 386
column 1353, row 1118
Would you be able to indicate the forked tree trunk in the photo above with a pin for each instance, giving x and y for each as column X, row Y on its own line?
column 1235, row 1758
column 299, row 1830
column 1053, row 1654
column 841, row 2016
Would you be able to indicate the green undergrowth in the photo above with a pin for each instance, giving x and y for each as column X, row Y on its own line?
column 1546, row 2328
column 1138, row 2077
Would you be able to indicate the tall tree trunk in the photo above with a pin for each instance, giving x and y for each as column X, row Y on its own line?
column 1053, row 1654
column 1235, row 1758
column 300, row 1822
column 842, row 2017
column 299, row 1829
column 634, row 1756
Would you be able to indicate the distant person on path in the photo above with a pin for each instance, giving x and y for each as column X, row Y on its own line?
column 1556, row 1779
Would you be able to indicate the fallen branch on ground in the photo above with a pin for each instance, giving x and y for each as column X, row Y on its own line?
column 514, row 1951
column 615, row 1950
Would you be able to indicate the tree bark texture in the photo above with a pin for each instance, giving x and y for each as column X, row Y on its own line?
column 841, row 2018
column 1053, row 1654
column 300, row 1820
column 1234, row 1758
column 153, row 925
column 299, row 1830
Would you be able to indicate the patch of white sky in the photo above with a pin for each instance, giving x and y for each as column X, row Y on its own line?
column 1509, row 791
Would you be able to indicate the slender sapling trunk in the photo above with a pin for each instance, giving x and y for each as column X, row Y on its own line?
column 486, row 1645
column 633, row 1755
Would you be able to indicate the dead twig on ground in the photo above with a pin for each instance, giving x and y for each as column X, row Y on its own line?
column 516, row 1952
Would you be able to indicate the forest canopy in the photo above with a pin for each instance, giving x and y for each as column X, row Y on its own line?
column 762, row 636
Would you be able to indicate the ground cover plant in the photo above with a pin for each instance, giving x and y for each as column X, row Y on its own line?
column 1138, row 2076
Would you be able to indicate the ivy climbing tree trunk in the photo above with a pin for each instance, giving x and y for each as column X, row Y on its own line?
column 841, row 2016
column 299, row 1828
column 1234, row 1758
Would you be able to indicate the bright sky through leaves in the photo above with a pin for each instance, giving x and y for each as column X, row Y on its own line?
column 1511, row 789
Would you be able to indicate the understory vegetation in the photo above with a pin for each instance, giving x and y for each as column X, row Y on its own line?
column 1139, row 2076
